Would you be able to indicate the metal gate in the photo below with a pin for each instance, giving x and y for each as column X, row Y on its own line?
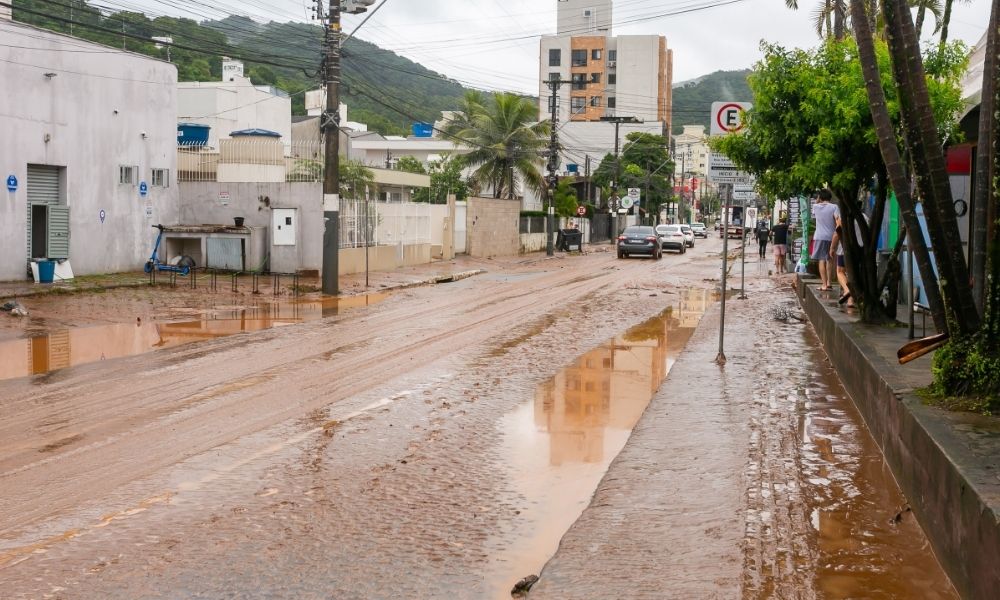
column 461, row 233
column 600, row 228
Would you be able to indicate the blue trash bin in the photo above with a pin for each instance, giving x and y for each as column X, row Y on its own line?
column 46, row 271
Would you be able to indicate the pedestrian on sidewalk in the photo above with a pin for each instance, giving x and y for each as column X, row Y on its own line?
column 763, row 235
column 779, row 236
column 826, row 215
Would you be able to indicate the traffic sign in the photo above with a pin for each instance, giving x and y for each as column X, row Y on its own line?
column 727, row 117
column 143, row 189
column 634, row 194
column 627, row 202
column 581, row 210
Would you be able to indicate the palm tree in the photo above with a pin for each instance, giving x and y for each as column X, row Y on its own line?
column 829, row 17
column 946, row 19
column 987, row 157
column 506, row 140
column 924, row 7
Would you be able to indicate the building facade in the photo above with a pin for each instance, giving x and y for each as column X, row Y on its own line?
column 234, row 104
column 89, row 152
column 607, row 76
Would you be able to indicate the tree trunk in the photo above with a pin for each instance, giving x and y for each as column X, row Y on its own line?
column 944, row 21
column 860, row 261
column 984, row 160
column 921, row 12
column 929, row 166
column 893, row 164
column 838, row 20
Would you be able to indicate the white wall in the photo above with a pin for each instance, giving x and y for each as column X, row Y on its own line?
column 228, row 106
column 637, row 89
column 563, row 43
column 571, row 18
column 92, row 111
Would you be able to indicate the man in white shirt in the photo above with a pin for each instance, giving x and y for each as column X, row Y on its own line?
column 826, row 215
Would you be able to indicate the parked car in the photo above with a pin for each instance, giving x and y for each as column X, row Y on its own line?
column 671, row 238
column 688, row 234
column 639, row 239
column 699, row 230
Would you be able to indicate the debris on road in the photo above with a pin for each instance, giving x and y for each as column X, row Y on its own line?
column 521, row 588
column 15, row 308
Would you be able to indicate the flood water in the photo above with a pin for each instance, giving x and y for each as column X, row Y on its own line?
column 559, row 444
column 76, row 346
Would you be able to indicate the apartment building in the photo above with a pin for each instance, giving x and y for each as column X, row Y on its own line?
column 625, row 76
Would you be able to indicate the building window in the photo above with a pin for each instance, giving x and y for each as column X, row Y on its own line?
column 579, row 81
column 611, row 102
column 160, row 178
column 555, row 57
column 595, row 54
column 595, row 78
column 612, row 55
column 554, row 77
column 612, row 79
column 578, row 103
column 128, row 174
column 595, row 100
column 579, row 58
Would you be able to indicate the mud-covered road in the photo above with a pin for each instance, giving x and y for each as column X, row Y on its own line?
column 435, row 444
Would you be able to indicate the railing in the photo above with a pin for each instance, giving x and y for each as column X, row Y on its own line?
column 267, row 159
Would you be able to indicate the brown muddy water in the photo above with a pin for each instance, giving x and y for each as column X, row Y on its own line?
column 558, row 445
column 76, row 346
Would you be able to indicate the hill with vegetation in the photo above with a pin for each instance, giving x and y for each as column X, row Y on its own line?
column 381, row 88
column 693, row 99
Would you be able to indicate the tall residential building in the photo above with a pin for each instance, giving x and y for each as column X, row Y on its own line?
column 625, row 76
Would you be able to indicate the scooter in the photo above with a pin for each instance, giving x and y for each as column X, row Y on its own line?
column 184, row 265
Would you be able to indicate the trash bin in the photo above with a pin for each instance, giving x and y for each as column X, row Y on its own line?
column 571, row 240
column 46, row 271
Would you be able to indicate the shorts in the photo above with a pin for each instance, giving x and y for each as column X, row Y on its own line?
column 821, row 250
column 840, row 261
column 780, row 249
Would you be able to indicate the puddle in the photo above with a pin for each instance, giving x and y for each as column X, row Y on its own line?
column 558, row 445
column 70, row 347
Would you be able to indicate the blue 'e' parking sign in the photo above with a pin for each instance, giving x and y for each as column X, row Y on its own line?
column 143, row 189
column 11, row 183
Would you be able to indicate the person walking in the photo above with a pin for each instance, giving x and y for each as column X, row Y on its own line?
column 763, row 235
column 779, row 236
column 825, row 215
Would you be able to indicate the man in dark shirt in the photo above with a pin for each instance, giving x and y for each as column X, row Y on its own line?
column 779, row 235
column 763, row 235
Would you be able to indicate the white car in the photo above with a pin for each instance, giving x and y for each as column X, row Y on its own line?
column 671, row 238
column 699, row 230
column 688, row 234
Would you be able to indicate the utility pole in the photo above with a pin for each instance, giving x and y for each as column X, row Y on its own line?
column 614, row 184
column 726, row 191
column 586, row 179
column 553, row 164
column 330, row 126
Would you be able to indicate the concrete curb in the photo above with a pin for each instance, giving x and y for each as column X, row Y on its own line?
column 947, row 464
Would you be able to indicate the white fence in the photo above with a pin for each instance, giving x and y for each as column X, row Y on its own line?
column 375, row 223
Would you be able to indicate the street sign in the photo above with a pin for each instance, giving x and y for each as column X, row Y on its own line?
column 627, row 202
column 143, row 189
column 633, row 193
column 727, row 117
column 581, row 210
column 11, row 183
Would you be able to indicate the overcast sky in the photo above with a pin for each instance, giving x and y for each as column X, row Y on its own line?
column 493, row 44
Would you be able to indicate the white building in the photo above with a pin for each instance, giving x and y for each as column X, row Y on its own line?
column 89, row 151
column 691, row 152
column 234, row 104
column 624, row 76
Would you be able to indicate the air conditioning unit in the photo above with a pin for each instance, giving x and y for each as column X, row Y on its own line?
column 612, row 64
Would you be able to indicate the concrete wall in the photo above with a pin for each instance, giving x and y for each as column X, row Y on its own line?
column 87, row 112
column 217, row 203
column 492, row 227
column 939, row 458
column 383, row 258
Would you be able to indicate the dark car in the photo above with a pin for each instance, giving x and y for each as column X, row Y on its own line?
column 639, row 239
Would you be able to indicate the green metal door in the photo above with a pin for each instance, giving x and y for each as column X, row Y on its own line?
column 58, row 220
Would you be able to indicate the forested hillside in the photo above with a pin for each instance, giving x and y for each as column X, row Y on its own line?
column 385, row 90
column 693, row 99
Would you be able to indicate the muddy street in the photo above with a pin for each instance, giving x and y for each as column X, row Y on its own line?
column 434, row 442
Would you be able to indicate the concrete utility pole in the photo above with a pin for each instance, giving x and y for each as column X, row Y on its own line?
column 330, row 126
column 614, row 184
column 725, row 190
column 553, row 164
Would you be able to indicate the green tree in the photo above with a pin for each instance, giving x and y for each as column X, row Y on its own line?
column 505, row 141
column 355, row 179
column 564, row 199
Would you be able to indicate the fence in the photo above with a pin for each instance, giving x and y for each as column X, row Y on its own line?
column 252, row 159
column 371, row 223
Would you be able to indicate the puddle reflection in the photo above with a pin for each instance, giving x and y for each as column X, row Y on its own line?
column 70, row 347
column 559, row 445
